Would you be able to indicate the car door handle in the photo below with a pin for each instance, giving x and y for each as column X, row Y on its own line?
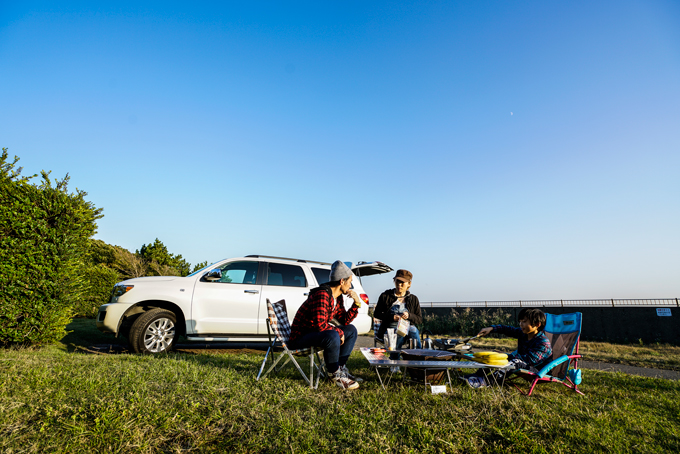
column 251, row 291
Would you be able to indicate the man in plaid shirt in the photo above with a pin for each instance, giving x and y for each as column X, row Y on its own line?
column 311, row 326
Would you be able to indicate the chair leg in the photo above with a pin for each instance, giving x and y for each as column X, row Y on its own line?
column 284, row 364
column 311, row 369
column 320, row 370
column 266, row 355
column 274, row 365
column 297, row 366
column 533, row 385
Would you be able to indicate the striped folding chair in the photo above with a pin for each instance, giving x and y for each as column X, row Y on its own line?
column 278, row 328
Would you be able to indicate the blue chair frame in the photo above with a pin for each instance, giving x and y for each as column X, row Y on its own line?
column 564, row 333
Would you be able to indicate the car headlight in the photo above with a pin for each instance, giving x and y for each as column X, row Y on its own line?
column 120, row 290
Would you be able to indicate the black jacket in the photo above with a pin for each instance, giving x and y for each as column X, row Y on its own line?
column 382, row 310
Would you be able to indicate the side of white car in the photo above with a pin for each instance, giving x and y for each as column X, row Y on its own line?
column 224, row 302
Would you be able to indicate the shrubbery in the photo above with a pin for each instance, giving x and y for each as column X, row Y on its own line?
column 105, row 264
column 99, row 280
column 44, row 232
column 50, row 268
column 465, row 322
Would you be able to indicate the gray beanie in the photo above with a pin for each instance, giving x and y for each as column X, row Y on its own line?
column 339, row 271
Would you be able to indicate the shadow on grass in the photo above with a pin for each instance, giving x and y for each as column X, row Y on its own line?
column 84, row 337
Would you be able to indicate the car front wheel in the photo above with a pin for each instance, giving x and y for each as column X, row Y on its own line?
column 153, row 331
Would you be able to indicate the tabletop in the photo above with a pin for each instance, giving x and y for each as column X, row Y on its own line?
column 379, row 360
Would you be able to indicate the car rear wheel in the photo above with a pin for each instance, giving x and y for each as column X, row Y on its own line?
column 153, row 331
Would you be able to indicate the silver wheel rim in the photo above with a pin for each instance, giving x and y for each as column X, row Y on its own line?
column 159, row 335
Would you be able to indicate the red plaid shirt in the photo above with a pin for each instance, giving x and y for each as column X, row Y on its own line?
column 318, row 310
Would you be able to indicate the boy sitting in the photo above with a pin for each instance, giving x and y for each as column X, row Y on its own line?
column 533, row 347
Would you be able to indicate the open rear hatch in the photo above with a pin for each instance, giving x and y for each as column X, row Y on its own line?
column 362, row 269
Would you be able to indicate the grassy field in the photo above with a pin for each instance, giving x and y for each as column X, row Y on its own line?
column 58, row 399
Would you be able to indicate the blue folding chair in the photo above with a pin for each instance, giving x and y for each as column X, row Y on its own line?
column 564, row 332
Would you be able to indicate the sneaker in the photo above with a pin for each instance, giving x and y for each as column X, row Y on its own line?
column 340, row 378
column 350, row 376
column 395, row 369
column 476, row 382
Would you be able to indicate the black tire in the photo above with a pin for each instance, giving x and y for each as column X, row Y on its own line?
column 153, row 332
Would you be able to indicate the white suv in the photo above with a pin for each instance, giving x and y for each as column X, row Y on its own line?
column 223, row 302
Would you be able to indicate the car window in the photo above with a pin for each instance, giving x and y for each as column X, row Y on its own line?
column 285, row 275
column 323, row 275
column 239, row 273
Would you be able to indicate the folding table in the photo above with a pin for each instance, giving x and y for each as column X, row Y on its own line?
column 379, row 361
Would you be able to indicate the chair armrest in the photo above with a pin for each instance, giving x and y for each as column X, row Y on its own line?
column 551, row 365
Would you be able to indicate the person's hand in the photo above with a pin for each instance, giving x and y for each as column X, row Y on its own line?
column 405, row 315
column 342, row 339
column 485, row 331
column 357, row 301
column 396, row 318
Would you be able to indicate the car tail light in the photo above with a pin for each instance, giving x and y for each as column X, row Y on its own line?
column 364, row 297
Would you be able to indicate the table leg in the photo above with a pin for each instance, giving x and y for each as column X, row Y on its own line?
column 377, row 372
column 491, row 378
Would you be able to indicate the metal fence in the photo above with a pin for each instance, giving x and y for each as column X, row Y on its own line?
column 658, row 302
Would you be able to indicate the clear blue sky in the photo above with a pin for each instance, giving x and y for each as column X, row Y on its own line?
column 498, row 150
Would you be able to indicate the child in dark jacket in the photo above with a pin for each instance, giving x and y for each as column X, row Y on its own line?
column 533, row 347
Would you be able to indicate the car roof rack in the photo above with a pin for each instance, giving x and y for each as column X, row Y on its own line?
column 285, row 258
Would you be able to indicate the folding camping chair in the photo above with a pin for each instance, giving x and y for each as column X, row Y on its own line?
column 278, row 328
column 564, row 332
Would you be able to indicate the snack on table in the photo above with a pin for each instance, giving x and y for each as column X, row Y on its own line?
column 491, row 358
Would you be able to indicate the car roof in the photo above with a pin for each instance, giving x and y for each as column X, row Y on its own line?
column 287, row 258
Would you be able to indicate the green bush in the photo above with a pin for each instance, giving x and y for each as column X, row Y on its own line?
column 106, row 264
column 465, row 322
column 44, row 232
column 99, row 281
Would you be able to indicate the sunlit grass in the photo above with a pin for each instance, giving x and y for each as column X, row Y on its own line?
column 57, row 399
column 53, row 400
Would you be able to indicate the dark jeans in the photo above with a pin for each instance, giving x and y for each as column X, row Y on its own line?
column 334, row 354
column 414, row 334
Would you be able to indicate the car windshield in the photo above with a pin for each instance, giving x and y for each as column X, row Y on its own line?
column 202, row 269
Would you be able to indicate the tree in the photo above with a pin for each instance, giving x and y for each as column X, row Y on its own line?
column 199, row 266
column 162, row 263
column 44, row 232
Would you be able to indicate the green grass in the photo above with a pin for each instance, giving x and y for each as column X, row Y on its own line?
column 58, row 399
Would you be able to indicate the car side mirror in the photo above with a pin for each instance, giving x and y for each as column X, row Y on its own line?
column 213, row 275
